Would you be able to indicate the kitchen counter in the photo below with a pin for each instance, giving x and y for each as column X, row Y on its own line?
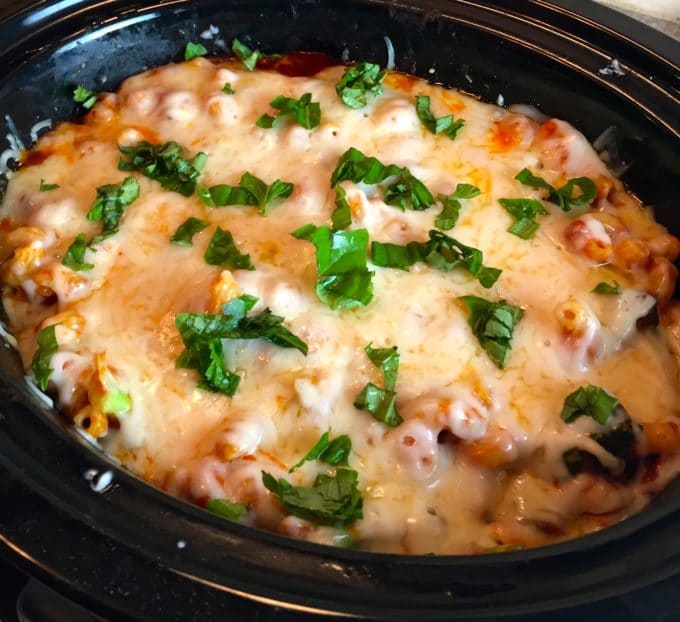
column 663, row 15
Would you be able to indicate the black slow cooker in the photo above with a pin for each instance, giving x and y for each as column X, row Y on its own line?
column 76, row 520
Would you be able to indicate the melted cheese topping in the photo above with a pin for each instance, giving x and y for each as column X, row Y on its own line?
column 477, row 461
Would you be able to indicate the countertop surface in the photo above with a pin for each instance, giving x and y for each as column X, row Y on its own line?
column 663, row 15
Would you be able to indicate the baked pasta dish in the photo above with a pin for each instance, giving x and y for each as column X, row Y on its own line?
column 347, row 305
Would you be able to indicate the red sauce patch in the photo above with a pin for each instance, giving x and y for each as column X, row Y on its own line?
column 549, row 129
column 505, row 136
column 6, row 224
column 400, row 81
column 651, row 467
column 37, row 156
column 298, row 64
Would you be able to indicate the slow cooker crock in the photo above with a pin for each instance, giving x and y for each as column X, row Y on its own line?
column 128, row 549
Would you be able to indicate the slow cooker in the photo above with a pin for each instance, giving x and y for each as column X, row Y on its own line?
column 71, row 517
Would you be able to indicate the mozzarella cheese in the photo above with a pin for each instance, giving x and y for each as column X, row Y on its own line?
column 478, row 460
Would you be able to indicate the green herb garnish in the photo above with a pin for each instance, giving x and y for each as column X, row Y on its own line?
column 443, row 125
column 227, row 89
column 355, row 166
column 47, row 187
column 305, row 112
column 109, row 204
column 165, row 164
column 493, row 323
column 334, row 452
column 193, row 50
column 226, row 509
column 344, row 280
column 187, row 230
column 448, row 217
column 591, row 401
column 222, row 195
column 75, row 255
column 406, row 192
column 342, row 214
column 84, row 96
column 359, row 81
column 207, row 357
column 564, row 195
column 265, row 194
column 381, row 402
column 114, row 401
column 202, row 335
column 222, row 251
column 440, row 251
column 248, row 57
column 607, row 289
column 47, row 348
column 332, row 500
column 524, row 211
column 250, row 191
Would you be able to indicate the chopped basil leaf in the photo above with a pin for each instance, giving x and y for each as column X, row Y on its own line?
column 344, row 280
column 448, row 217
column 193, row 50
column 109, row 204
column 222, row 251
column 359, row 81
column 408, row 192
column 207, row 357
column 248, row 57
column 443, row 125
column 333, row 452
column 305, row 112
column 116, row 402
column 524, row 211
column 202, row 335
column 493, row 323
column 113, row 400
column 332, row 500
column 75, row 255
column 387, row 359
column 319, row 447
column 465, row 191
column 227, row 89
column 607, row 289
column 381, row 403
column 187, row 230
column 165, row 164
column 338, row 451
column 355, row 166
column 47, row 187
column 226, row 509
column 265, row 195
column 196, row 328
column 440, row 251
column 591, row 401
column 222, row 195
column 388, row 255
column 47, row 348
column 618, row 436
column 84, row 96
column 342, row 214
column 562, row 196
